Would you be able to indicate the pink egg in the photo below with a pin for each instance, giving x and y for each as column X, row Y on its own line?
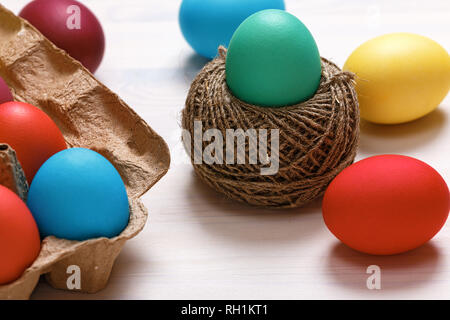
column 71, row 26
column 5, row 93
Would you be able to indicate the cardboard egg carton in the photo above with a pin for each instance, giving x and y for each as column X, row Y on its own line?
column 90, row 116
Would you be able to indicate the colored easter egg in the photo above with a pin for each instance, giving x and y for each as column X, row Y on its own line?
column 5, row 92
column 400, row 77
column 208, row 24
column 78, row 194
column 273, row 60
column 19, row 237
column 31, row 133
column 71, row 26
column 386, row 204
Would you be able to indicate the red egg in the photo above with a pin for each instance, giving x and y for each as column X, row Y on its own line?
column 5, row 93
column 71, row 26
column 19, row 237
column 31, row 133
column 386, row 204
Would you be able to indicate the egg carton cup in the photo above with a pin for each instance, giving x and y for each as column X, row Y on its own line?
column 11, row 173
column 90, row 116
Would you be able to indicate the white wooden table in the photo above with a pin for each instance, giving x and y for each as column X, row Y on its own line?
column 198, row 245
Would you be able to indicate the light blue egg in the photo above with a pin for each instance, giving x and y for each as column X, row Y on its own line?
column 207, row 24
column 77, row 194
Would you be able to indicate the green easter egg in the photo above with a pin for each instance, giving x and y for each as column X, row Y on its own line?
column 273, row 60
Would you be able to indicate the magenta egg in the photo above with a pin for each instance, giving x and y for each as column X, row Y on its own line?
column 5, row 93
column 71, row 26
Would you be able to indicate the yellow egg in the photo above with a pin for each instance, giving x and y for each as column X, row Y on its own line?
column 400, row 77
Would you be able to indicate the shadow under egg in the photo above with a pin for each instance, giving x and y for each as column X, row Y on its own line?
column 191, row 66
column 401, row 138
column 411, row 269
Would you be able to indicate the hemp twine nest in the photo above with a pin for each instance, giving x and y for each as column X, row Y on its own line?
column 317, row 138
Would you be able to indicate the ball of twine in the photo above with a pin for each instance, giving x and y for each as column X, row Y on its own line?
column 317, row 138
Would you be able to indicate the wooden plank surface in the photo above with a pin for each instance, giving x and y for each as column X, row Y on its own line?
column 198, row 244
